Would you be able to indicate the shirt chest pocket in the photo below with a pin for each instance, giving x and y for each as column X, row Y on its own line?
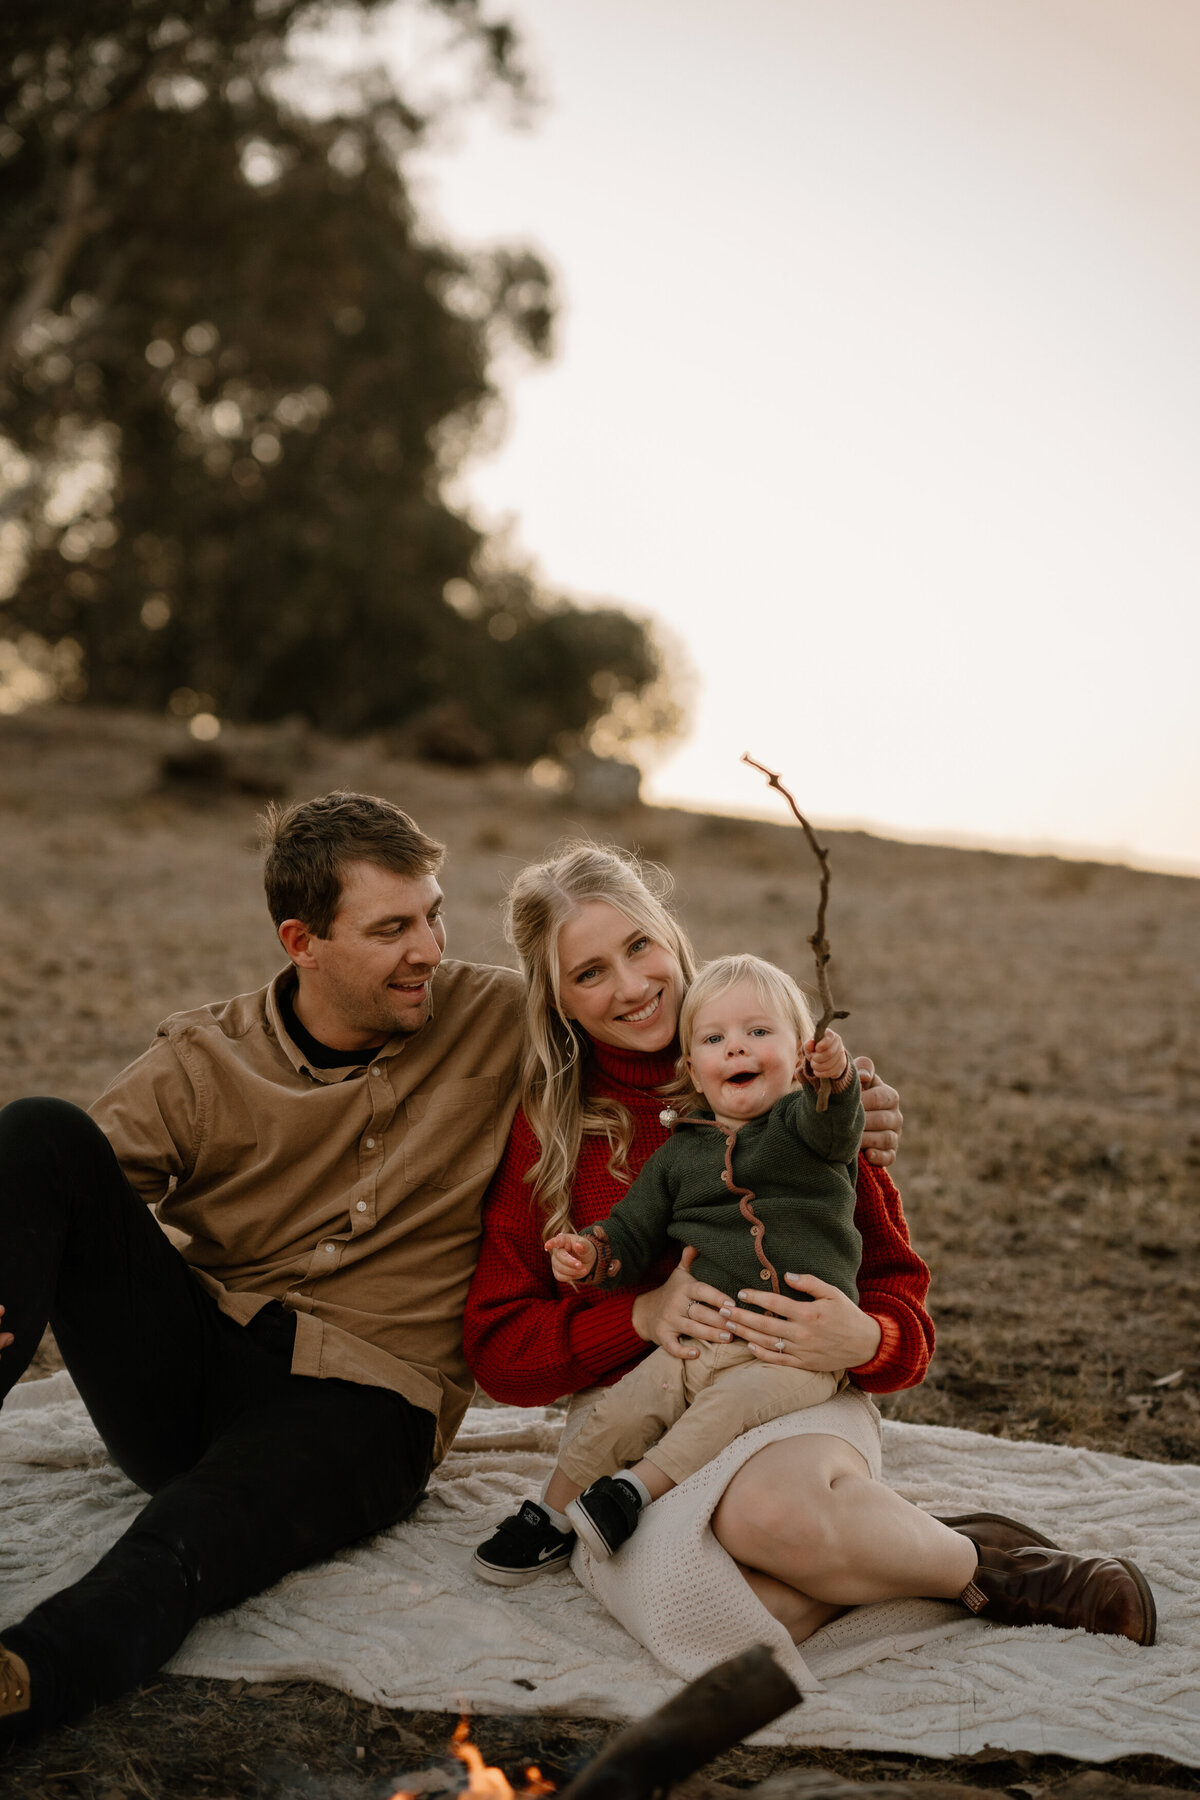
column 451, row 1132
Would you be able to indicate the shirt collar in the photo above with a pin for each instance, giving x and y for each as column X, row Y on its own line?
column 356, row 1060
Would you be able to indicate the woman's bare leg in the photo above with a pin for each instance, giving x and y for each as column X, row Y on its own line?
column 805, row 1513
column 798, row 1615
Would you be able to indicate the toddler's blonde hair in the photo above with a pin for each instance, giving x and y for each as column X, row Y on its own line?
column 775, row 988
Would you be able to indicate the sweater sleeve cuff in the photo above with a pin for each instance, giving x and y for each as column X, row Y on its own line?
column 603, row 1338
column 846, row 1079
column 889, row 1343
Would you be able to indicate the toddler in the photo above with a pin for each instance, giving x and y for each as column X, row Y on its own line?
column 759, row 1182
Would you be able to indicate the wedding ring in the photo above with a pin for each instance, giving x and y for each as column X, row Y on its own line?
column 690, row 1305
column 779, row 1346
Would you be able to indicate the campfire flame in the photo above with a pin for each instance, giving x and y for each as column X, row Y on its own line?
column 484, row 1783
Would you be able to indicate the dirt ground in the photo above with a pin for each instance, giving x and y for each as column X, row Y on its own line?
column 1040, row 1018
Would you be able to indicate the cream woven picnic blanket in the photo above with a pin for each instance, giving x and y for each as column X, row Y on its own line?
column 402, row 1619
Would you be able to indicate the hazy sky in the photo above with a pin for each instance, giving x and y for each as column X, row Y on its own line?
column 878, row 385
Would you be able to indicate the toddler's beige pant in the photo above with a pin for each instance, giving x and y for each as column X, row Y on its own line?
column 680, row 1414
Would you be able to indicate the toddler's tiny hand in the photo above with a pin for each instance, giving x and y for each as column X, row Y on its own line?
column 827, row 1060
column 571, row 1257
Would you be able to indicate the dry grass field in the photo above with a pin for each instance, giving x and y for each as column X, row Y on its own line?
column 1040, row 1018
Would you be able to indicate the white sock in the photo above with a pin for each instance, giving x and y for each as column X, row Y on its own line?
column 637, row 1484
column 559, row 1520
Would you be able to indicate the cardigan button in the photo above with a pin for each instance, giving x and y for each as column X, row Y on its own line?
column 764, row 1274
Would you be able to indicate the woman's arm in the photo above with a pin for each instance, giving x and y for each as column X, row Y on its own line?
column 528, row 1341
column 893, row 1284
column 885, row 1341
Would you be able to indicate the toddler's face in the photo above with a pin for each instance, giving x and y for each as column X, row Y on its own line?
column 743, row 1056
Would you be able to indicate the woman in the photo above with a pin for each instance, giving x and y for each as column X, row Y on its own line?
column 805, row 1517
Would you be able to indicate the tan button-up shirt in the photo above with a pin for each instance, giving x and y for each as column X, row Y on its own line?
column 351, row 1195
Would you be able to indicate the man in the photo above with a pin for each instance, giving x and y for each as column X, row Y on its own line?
column 285, row 1384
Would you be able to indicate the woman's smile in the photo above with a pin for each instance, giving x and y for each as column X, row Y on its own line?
column 643, row 1013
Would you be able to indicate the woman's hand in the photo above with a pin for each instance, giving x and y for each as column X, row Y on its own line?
column 681, row 1308
column 827, row 1332
column 884, row 1120
column 6, row 1337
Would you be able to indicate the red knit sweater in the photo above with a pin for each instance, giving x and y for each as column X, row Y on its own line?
column 530, row 1340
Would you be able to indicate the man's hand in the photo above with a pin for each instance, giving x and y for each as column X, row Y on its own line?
column 571, row 1258
column 884, row 1120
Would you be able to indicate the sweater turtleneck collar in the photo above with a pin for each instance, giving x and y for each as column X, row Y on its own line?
column 635, row 1068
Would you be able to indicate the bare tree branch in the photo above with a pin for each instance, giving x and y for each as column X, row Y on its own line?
column 80, row 215
column 76, row 222
column 818, row 940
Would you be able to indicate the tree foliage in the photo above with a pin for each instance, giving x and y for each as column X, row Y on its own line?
column 237, row 375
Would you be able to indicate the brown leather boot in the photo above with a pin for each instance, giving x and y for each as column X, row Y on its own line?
column 14, row 1684
column 996, row 1532
column 1105, row 1594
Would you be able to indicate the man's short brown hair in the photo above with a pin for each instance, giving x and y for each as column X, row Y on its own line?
column 308, row 846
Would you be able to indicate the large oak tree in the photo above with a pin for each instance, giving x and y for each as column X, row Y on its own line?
column 237, row 374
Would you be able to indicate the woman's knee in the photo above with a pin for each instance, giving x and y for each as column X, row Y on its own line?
column 788, row 1500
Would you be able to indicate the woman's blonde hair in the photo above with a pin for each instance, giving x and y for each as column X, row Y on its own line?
column 542, row 898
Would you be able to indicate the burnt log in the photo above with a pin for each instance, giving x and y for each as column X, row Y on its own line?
column 710, row 1715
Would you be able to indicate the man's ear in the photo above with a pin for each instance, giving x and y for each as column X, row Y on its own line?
column 298, row 940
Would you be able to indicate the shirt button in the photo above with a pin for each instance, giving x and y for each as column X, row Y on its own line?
column 763, row 1274
column 377, row 1070
column 361, row 1207
column 331, row 1248
column 370, row 1143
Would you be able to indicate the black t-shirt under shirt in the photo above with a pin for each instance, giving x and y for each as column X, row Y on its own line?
column 322, row 1056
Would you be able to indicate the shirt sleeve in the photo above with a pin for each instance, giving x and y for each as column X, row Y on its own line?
column 150, row 1114
column 893, row 1284
column 529, row 1340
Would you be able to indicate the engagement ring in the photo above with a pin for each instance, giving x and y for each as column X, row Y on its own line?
column 779, row 1346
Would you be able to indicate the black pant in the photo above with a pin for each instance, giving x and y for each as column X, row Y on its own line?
column 252, row 1470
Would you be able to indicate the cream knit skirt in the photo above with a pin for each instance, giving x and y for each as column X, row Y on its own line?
column 673, row 1587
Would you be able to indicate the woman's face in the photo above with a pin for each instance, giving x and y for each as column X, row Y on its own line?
column 621, row 986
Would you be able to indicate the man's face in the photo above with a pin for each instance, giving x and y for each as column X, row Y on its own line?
column 372, row 975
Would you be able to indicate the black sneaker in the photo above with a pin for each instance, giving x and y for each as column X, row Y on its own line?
column 606, row 1515
column 524, row 1547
